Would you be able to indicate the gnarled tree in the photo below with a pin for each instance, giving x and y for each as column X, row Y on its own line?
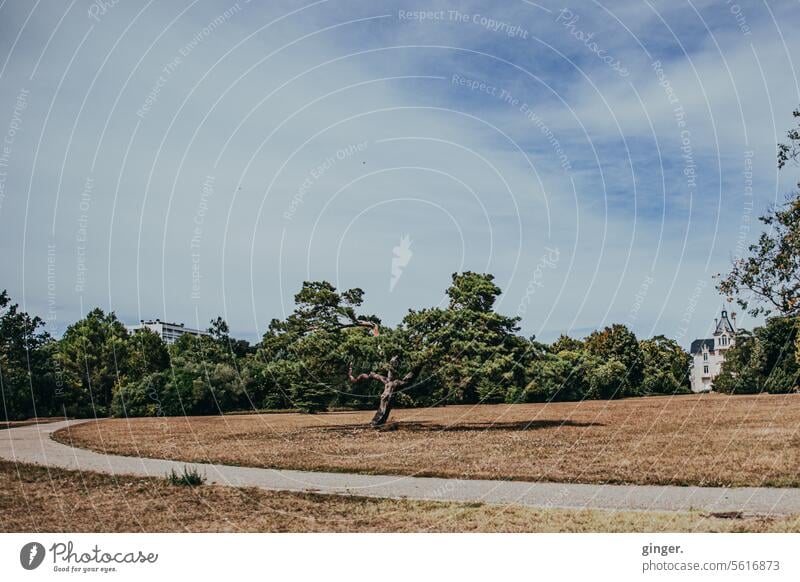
column 391, row 385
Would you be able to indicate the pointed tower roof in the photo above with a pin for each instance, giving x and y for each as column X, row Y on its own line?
column 724, row 324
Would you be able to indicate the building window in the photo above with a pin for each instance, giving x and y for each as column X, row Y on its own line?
column 705, row 369
column 705, row 356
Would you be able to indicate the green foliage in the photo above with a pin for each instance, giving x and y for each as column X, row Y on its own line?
column 303, row 360
column 666, row 366
column 142, row 397
column 762, row 361
column 607, row 380
column 619, row 343
column 94, row 355
column 204, row 378
column 470, row 351
column 564, row 343
column 188, row 478
column 268, row 382
column 610, row 363
column 660, row 382
column 220, row 332
column 147, row 354
column 776, row 356
column 473, row 292
column 309, row 396
column 562, row 377
column 321, row 307
column 464, row 353
column 297, row 377
column 737, row 376
column 28, row 376
column 196, row 375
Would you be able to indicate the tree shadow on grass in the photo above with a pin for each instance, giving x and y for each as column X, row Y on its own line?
column 462, row 426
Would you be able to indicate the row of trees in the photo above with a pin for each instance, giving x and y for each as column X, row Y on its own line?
column 97, row 362
column 326, row 354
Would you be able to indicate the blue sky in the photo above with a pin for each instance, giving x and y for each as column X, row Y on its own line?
column 190, row 159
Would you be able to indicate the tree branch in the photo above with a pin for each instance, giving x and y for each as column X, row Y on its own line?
column 365, row 323
column 364, row 376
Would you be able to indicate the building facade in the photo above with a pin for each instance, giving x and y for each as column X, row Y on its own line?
column 169, row 332
column 708, row 354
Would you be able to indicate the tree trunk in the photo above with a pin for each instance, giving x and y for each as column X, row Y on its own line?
column 385, row 406
column 390, row 386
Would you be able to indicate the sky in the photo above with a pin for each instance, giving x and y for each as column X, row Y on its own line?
column 183, row 160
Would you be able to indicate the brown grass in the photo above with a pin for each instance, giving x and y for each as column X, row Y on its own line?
column 700, row 440
column 42, row 500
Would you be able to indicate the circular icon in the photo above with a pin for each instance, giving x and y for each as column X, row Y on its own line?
column 31, row 555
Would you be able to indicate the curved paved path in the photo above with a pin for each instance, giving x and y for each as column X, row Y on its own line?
column 32, row 444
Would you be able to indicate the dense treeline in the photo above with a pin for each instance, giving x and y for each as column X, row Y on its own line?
column 325, row 355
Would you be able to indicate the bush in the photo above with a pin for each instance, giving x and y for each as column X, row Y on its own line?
column 142, row 398
column 607, row 380
column 660, row 382
column 562, row 377
column 781, row 381
column 215, row 388
column 309, row 396
column 189, row 477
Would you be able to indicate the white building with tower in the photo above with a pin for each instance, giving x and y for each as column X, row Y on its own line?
column 708, row 354
column 169, row 332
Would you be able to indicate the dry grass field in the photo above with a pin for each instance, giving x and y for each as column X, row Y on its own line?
column 699, row 440
column 36, row 499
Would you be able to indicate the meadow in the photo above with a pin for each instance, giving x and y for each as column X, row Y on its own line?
column 706, row 440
